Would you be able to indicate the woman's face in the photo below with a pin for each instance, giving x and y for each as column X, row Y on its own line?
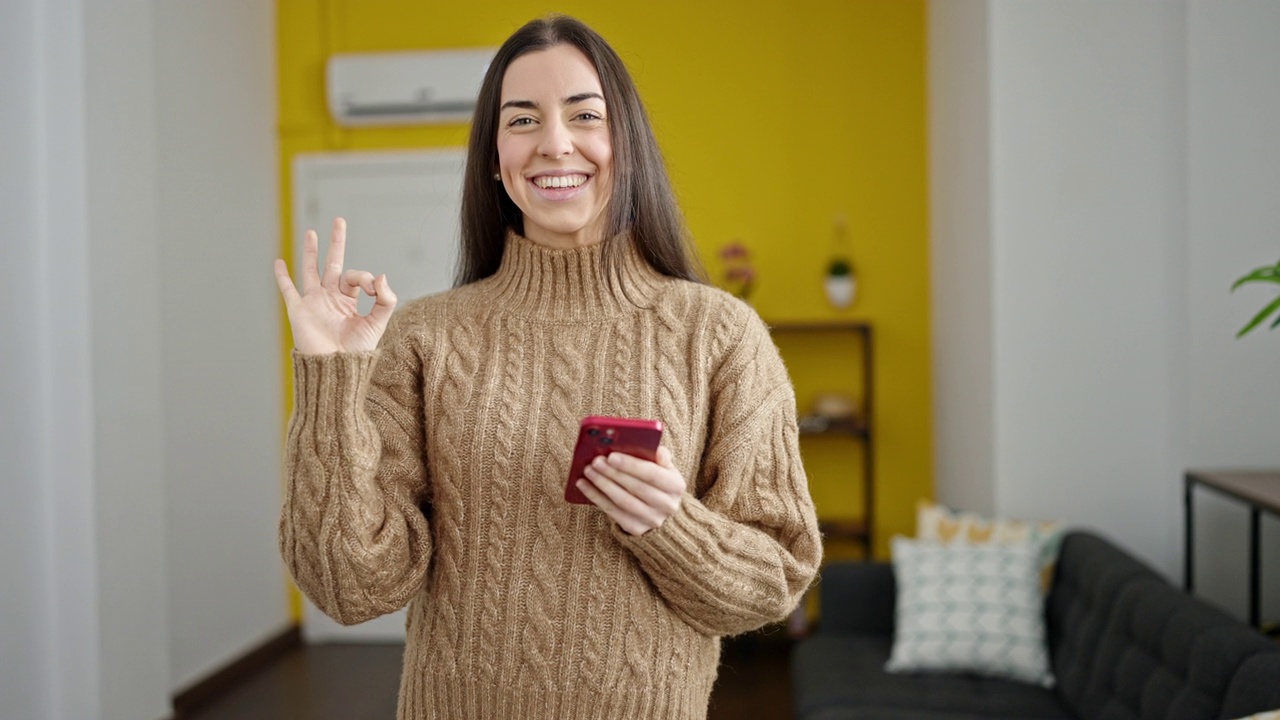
column 554, row 152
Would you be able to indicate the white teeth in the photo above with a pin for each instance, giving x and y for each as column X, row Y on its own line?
column 559, row 181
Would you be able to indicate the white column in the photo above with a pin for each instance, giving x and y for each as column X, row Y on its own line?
column 960, row 254
column 27, row 620
column 1088, row 188
column 1059, row 188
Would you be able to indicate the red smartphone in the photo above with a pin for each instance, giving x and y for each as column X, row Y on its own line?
column 600, row 435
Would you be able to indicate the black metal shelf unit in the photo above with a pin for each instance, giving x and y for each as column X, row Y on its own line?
column 859, row 427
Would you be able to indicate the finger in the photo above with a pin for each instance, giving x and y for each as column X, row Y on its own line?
column 310, row 261
column 629, row 524
column 353, row 281
column 384, row 301
column 337, row 249
column 285, row 283
column 646, row 492
column 665, row 458
column 667, row 479
column 646, row 504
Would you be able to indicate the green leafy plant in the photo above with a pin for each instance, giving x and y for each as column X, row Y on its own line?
column 839, row 267
column 1266, row 273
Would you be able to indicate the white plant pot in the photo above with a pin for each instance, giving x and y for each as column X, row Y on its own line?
column 841, row 290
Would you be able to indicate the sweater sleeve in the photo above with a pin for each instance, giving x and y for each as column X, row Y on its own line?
column 352, row 529
column 741, row 552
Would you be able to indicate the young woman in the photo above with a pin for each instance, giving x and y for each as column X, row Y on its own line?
column 429, row 450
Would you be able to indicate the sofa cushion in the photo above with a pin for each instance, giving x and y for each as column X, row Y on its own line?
column 842, row 677
column 970, row 608
column 1129, row 646
column 1255, row 687
column 1091, row 573
column 941, row 524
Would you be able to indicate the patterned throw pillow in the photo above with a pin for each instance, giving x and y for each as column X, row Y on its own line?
column 970, row 608
column 938, row 523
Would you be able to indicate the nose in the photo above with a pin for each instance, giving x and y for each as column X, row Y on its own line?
column 556, row 141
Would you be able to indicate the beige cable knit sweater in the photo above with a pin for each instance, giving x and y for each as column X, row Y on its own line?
column 432, row 472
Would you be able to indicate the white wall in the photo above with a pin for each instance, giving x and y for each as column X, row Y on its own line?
column 1233, row 394
column 1132, row 174
column 128, row 469
column 86, row 430
column 219, row 215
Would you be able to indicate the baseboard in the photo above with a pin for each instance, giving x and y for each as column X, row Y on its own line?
column 202, row 692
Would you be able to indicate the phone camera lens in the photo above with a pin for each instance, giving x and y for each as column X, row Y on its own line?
column 593, row 431
column 606, row 441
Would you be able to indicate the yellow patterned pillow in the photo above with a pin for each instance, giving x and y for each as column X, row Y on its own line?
column 940, row 524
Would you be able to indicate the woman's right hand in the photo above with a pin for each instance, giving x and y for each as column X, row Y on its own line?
column 324, row 317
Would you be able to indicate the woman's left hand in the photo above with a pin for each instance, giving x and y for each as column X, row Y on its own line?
column 639, row 495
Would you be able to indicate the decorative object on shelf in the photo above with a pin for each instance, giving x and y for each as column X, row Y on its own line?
column 739, row 274
column 834, row 406
column 829, row 411
column 813, row 424
column 1266, row 273
column 841, row 283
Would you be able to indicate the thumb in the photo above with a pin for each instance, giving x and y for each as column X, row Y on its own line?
column 384, row 301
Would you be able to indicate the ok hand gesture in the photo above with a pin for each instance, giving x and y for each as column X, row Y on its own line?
column 324, row 316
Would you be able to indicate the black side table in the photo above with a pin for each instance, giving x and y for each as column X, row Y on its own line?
column 1259, row 490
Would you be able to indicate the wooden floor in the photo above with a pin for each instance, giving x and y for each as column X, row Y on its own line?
column 359, row 682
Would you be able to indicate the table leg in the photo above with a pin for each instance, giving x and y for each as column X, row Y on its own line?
column 1188, row 550
column 1255, row 572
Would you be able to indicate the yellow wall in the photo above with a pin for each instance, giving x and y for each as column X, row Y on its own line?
column 774, row 118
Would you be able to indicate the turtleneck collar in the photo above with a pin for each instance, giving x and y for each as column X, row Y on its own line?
column 540, row 282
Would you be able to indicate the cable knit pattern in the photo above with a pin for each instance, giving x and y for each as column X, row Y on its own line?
column 448, row 496
column 498, row 505
column 539, row 664
column 433, row 470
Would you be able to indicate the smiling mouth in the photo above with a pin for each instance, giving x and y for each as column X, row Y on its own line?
column 547, row 182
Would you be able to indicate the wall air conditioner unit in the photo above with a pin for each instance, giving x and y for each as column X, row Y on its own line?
column 405, row 88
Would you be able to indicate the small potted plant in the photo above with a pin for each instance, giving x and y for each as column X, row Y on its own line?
column 840, row 283
column 1266, row 273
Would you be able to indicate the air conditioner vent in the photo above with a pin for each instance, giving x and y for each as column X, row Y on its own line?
column 414, row 88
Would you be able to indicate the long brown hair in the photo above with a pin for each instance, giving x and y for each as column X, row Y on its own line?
column 642, row 204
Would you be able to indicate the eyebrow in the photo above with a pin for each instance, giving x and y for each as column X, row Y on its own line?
column 531, row 105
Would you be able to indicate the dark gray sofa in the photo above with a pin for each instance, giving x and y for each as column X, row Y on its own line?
column 1124, row 643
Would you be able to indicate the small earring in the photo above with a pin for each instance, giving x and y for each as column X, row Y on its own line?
column 497, row 176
